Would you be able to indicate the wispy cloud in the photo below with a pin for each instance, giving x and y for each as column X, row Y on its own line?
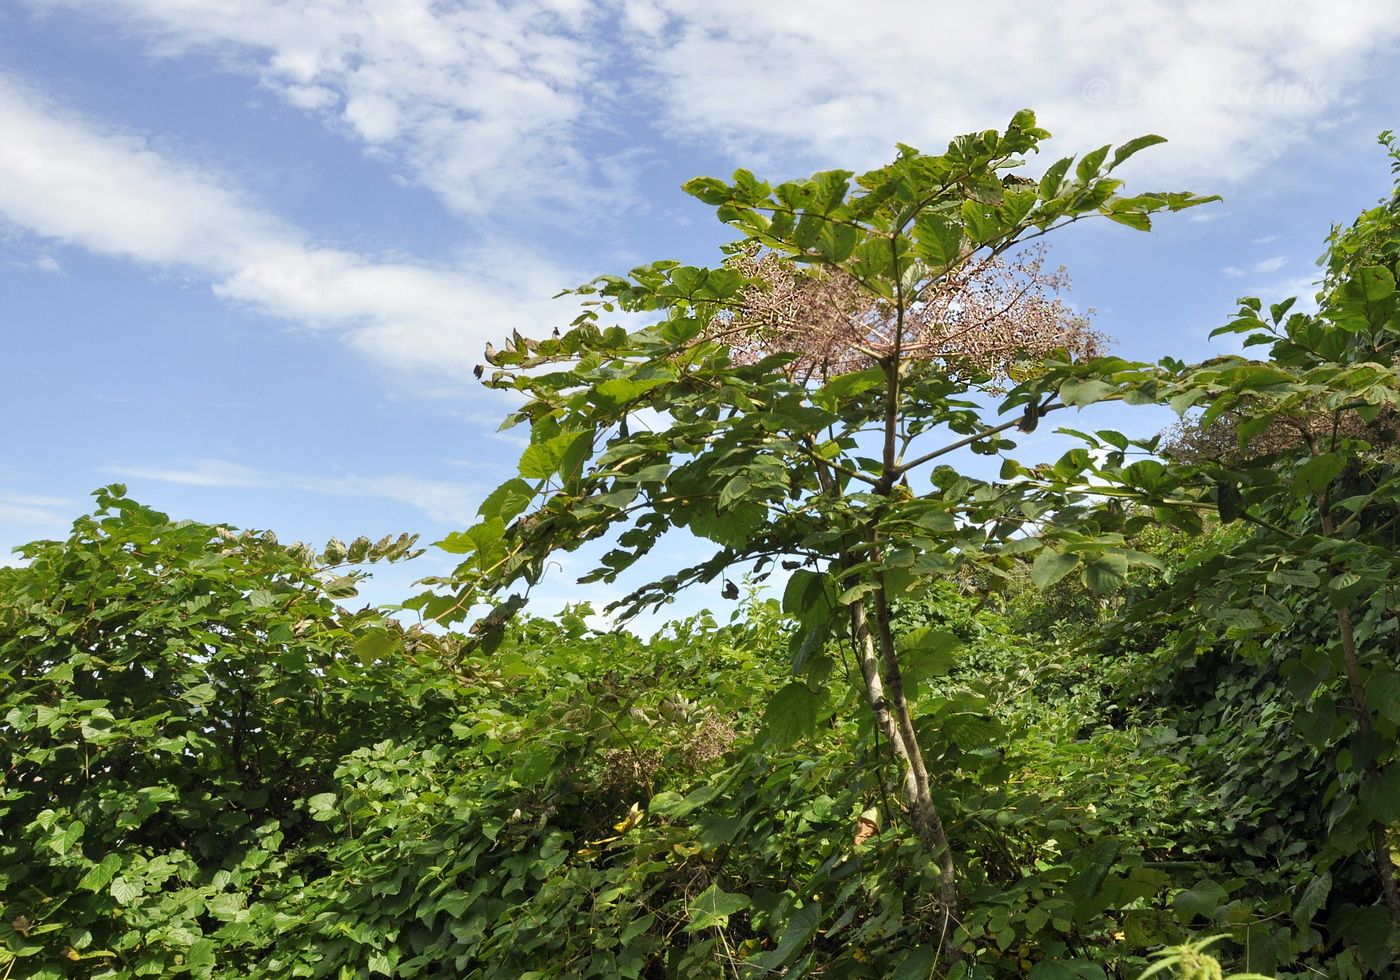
column 79, row 182
column 1304, row 288
column 1231, row 84
column 1263, row 267
column 474, row 101
column 37, row 511
column 498, row 99
column 452, row 503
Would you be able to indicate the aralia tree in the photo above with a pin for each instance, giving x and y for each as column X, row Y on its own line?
column 796, row 404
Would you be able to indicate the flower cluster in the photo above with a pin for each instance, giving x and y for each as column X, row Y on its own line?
column 977, row 319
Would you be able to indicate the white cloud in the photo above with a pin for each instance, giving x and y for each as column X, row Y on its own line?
column 35, row 511
column 474, row 100
column 1304, row 288
column 106, row 190
column 1272, row 264
column 497, row 99
column 1230, row 84
column 451, row 503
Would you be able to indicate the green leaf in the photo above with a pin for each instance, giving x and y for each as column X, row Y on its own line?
column 732, row 528
column 1129, row 216
column 1133, row 146
column 710, row 190
column 542, row 460
column 674, row 806
column 1236, row 620
column 1376, row 282
column 713, row 907
column 970, row 731
column 938, row 240
column 928, row 652
column 1228, row 502
column 855, row 592
column 807, row 646
column 917, row 965
column 1295, row 577
column 1085, row 391
column 99, row 874
column 791, row 715
column 1316, row 473
column 125, row 891
column 1201, row 900
column 225, row 906
column 1368, row 930
column 1105, row 574
column 573, row 456
column 1312, row 899
column 1383, row 693
column 63, row 842
column 636, row 927
column 844, row 386
column 1054, row 176
column 983, row 223
column 1343, row 588
column 375, row 644
column 809, row 596
column 1050, row 566
column 734, row 490
column 200, row 694
column 508, row 501
column 341, row 587
column 1180, row 403
column 1089, row 164
column 1380, row 795
column 1075, row 969
column 617, row 392
column 485, row 541
column 321, row 807
column 798, row 929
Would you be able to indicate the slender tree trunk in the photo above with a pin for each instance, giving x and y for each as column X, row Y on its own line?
column 875, row 695
column 927, row 823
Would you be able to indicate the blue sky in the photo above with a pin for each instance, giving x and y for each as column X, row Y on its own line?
column 250, row 250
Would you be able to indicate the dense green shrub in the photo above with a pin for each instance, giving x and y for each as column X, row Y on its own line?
column 173, row 695
column 209, row 767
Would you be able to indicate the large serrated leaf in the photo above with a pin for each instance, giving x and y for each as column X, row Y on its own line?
column 713, row 907
column 125, row 891
column 1312, row 899
column 1050, row 566
column 1105, row 574
column 100, row 874
column 791, row 715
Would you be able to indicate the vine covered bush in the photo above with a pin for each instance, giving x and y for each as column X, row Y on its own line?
column 1128, row 712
